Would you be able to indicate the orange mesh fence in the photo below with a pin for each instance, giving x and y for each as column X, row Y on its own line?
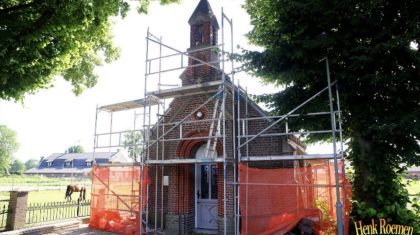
column 115, row 199
column 275, row 201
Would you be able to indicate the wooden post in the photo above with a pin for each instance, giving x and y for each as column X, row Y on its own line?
column 78, row 207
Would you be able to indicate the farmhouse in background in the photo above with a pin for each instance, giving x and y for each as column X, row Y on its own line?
column 74, row 164
column 413, row 172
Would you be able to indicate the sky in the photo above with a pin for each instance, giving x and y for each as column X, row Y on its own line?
column 52, row 120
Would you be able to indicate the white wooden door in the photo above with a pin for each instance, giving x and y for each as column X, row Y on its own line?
column 206, row 196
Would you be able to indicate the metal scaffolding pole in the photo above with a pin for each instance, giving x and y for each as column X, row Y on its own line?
column 110, row 131
column 224, row 126
column 235, row 160
column 145, row 140
column 162, row 170
column 340, row 123
column 333, row 126
column 237, row 149
column 95, row 140
column 157, row 131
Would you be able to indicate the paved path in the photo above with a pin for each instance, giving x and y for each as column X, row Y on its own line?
column 72, row 227
column 82, row 230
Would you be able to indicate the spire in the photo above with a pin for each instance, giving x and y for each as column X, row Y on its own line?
column 203, row 35
column 203, row 13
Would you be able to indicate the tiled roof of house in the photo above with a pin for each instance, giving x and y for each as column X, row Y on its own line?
column 74, row 162
column 414, row 169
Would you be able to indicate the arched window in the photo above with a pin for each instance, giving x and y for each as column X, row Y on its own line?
column 213, row 35
column 198, row 34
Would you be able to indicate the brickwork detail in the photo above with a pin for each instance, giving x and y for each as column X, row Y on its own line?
column 17, row 205
column 179, row 224
column 187, row 148
column 230, row 225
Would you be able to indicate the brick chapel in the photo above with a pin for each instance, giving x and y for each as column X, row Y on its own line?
column 190, row 194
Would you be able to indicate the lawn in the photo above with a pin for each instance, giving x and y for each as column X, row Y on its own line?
column 44, row 196
column 413, row 187
column 52, row 196
column 39, row 180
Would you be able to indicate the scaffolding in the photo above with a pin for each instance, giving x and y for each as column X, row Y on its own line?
column 226, row 98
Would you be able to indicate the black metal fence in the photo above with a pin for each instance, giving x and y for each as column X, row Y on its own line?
column 43, row 212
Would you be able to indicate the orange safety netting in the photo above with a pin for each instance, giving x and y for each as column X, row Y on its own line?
column 115, row 199
column 275, row 201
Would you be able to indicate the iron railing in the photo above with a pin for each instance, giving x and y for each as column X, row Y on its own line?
column 51, row 211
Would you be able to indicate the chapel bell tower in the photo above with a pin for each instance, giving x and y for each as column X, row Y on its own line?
column 203, row 45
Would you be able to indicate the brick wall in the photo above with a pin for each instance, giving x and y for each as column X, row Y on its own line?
column 199, row 72
column 207, row 34
column 179, row 196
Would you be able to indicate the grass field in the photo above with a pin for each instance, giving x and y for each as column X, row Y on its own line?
column 41, row 196
column 52, row 196
column 413, row 187
column 39, row 181
column 44, row 196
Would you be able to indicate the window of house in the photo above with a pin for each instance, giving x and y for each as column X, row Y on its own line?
column 67, row 164
column 49, row 164
column 88, row 163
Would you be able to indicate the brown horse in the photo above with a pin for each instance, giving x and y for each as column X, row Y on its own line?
column 71, row 188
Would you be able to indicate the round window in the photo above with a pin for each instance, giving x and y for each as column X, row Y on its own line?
column 199, row 115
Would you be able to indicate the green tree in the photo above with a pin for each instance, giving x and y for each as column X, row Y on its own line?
column 31, row 163
column 372, row 47
column 41, row 39
column 8, row 146
column 17, row 167
column 75, row 149
column 133, row 143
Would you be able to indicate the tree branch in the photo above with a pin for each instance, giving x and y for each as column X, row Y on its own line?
column 17, row 7
column 42, row 20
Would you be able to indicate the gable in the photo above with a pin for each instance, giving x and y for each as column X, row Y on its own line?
column 183, row 107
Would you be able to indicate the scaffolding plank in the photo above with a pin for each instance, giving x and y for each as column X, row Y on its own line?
column 199, row 88
column 185, row 161
column 127, row 105
column 289, row 157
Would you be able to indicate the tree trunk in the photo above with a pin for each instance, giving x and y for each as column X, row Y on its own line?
column 377, row 189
